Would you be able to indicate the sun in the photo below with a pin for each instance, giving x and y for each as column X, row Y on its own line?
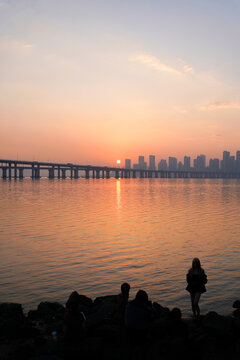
column 118, row 161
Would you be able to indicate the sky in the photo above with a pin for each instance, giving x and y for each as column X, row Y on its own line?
column 94, row 81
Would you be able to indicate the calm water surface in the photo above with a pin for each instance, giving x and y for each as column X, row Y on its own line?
column 57, row 236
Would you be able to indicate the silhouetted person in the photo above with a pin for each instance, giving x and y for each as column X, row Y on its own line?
column 137, row 317
column 74, row 320
column 123, row 299
column 196, row 279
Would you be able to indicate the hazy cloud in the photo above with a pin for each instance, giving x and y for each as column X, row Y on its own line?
column 154, row 63
column 186, row 67
column 222, row 105
column 8, row 44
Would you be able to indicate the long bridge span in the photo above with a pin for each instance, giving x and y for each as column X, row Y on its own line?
column 18, row 169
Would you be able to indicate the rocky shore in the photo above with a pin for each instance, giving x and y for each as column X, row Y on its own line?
column 39, row 335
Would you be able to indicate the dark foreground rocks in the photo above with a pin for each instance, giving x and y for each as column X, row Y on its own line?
column 40, row 334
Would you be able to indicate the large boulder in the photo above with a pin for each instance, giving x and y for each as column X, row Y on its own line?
column 236, row 304
column 13, row 323
column 85, row 303
column 50, row 311
column 103, row 310
column 217, row 324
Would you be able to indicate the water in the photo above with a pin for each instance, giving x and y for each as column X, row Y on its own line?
column 57, row 236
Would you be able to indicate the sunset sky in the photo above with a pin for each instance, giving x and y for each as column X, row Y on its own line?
column 96, row 81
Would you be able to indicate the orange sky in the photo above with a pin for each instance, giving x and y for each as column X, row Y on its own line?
column 92, row 87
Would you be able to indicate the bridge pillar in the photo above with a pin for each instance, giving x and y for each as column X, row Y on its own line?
column 108, row 174
column 33, row 172
column 103, row 174
column 71, row 173
column 20, row 173
column 97, row 174
column 9, row 170
column 63, row 173
column 93, row 174
column 37, row 172
column 134, row 175
column 117, row 174
column 4, row 172
column 15, row 170
column 141, row 174
column 75, row 171
column 59, row 174
column 51, row 173
column 86, row 174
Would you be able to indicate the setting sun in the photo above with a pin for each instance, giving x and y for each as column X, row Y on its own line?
column 118, row 161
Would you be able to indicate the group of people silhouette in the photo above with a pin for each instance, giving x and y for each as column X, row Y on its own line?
column 136, row 315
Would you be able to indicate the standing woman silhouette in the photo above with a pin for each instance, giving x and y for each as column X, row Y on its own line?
column 196, row 279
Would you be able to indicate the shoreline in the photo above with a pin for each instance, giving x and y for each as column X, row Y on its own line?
column 39, row 334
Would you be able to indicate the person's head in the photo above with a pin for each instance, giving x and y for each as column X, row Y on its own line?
column 176, row 314
column 125, row 288
column 196, row 265
column 141, row 297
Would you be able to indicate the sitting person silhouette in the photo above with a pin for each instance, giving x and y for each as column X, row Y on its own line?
column 74, row 320
column 137, row 317
column 196, row 279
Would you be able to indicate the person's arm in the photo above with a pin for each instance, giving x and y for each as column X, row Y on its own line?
column 204, row 277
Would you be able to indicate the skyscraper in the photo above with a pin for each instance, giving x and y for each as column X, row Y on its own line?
column 200, row 163
column 214, row 164
column 141, row 163
column 226, row 161
column 162, row 165
column 152, row 165
column 172, row 163
column 187, row 163
column 127, row 164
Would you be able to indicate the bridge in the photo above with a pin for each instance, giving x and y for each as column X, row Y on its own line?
column 18, row 169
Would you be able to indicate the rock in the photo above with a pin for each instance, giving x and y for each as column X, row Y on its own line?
column 236, row 313
column 33, row 315
column 46, row 357
column 49, row 311
column 11, row 310
column 104, row 309
column 236, row 304
column 107, row 298
column 160, row 310
column 84, row 302
column 13, row 323
column 217, row 324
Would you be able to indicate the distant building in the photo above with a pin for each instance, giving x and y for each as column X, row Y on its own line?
column 238, row 161
column 200, row 163
column 214, row 164
column 226, row 161
column 162, row 165
column 152, row 165
column 180, row 166
column 172, row 163
column 141, row 163
column 187, row 163
column 127, row 164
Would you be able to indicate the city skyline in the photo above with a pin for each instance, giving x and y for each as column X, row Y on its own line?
column 227, row 163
